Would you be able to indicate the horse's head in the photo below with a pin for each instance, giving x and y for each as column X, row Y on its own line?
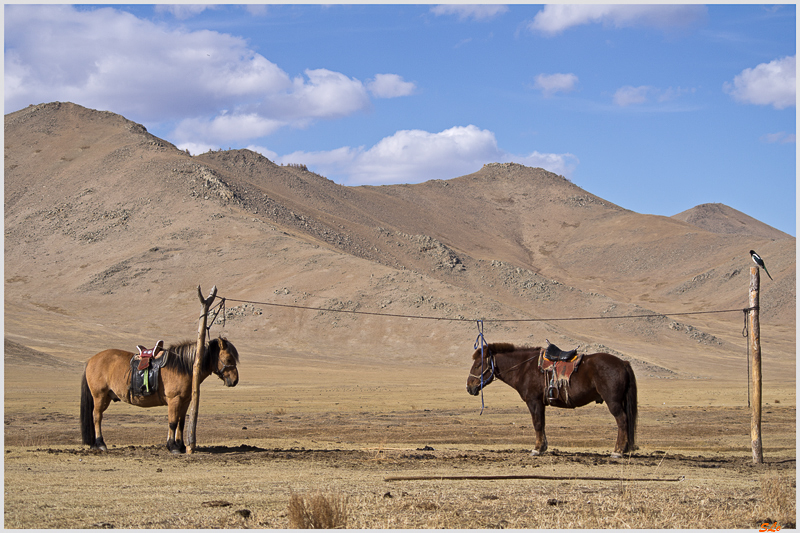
column 482, row 372
column 227, row 360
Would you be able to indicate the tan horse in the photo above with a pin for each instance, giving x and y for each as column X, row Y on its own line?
column 107, row 378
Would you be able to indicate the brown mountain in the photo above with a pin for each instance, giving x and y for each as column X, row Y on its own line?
column 719, row 218
column 109, row 230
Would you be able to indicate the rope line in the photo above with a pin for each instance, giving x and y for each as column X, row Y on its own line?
column 746, row 335
column 391, row 315
column 480, row 341
column 220, row 309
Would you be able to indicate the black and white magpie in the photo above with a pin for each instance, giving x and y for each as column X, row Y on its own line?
column 760, row 262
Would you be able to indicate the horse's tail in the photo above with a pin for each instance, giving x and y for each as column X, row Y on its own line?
column 631, row 407
column 87, row 412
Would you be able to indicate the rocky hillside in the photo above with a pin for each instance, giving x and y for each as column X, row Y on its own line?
column 109, row 230
column 719, row 218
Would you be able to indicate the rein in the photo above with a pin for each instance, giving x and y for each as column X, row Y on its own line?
column 481, row 341
column 495, row 370
column 525, row 361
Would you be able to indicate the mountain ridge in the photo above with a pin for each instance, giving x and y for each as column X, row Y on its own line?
column 720, row 218
column 98, row 210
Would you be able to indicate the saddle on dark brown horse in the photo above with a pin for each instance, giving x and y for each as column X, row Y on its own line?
column 558, row 366
column 554, row 353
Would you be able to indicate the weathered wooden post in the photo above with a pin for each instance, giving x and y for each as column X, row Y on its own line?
column 755, row 369
column 191, row 433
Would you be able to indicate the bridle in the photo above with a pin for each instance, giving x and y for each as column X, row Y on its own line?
column 490, row 364
column 220, row 371
column 489, row 358
column 491, row 367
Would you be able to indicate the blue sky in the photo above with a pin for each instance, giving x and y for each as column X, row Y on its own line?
column 654, row 108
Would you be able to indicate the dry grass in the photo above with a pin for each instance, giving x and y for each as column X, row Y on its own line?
column 317, row 511
column 348, row 449
column 636, row 506
column 778, row 499
column 292, row 487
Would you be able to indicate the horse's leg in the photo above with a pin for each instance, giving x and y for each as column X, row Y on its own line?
column 101, row 403
column 618, row 411
column 174, row 415
column 179, row 433
column 536, row 407
column 179, row 440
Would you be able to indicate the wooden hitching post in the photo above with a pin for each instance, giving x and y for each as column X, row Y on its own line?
column 191, row 428
column 755, row 369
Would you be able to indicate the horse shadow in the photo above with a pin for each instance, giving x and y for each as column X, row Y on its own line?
column 219, row 450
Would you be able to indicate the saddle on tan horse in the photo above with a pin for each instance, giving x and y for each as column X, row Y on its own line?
column 145, row 367
column 558, row 365
column 145, row 355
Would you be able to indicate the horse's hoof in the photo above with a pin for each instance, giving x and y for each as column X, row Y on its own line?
column 535, row 452
column 616, row 455
column 175, row 451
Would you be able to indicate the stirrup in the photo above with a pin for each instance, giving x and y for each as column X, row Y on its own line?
column 552, row 393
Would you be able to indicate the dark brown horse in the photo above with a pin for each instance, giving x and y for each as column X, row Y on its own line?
column 599, row 378
column 107, row 378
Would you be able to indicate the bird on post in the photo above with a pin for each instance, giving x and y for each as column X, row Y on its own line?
column 760, row 262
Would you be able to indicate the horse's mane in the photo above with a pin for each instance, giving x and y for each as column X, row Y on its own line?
column 181, row 356
column 496, row 347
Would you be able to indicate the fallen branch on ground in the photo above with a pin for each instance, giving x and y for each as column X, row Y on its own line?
column 529, row 476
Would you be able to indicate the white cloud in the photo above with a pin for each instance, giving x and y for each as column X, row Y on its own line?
column 470, row 11
column 248, row 74
column 562, row 164
column 413, row 156
column 197, row 148
column 628, row 95
column 554, row 83
column 223, row 129
column 266, row 152
column 673, row 93
column 772, row 83
column 779, row 138
column 390, row 86
column 327, row 94
column 256, row 10
column 555, row 18
column 182, row 11
column 108, row 59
